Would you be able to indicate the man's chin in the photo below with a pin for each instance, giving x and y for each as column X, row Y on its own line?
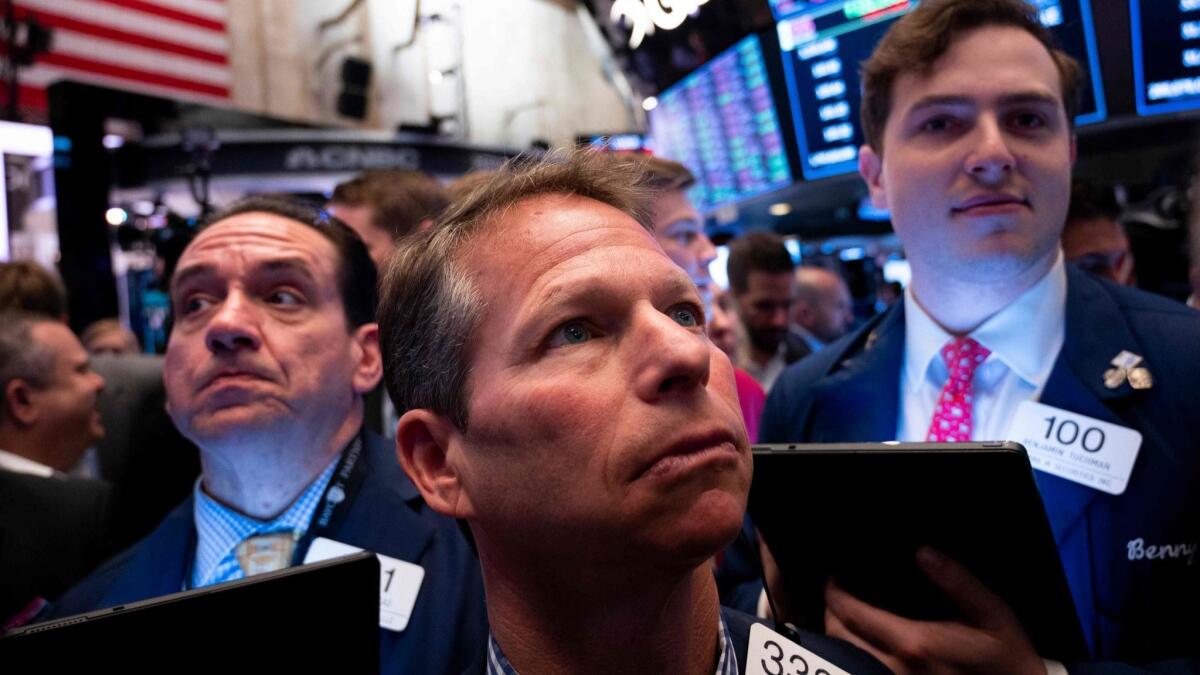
column 241, row 422
column 767, row 343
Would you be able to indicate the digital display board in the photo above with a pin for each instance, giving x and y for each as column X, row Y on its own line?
column 824, row 47
column 720, row 122
column 1166, row 55
column 785, row 8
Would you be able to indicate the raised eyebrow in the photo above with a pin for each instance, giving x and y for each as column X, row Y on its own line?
column 288, row 265
column 283, row 265
column 183, row 276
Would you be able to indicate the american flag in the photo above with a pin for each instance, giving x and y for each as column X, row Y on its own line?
column 176, row 49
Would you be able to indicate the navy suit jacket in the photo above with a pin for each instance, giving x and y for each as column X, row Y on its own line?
column 386, row 515
column 1134, row 610
column 843, row 654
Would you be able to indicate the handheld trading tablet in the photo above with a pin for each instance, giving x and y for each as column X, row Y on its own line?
column 289, row 620
column 857, row 512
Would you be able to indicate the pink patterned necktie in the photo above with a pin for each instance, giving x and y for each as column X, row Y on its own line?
column 952, row 415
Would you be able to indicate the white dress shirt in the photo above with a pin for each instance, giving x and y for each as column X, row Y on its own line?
column 19, row 464
column 1024, row 339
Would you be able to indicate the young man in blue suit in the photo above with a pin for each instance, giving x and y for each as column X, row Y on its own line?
column 273, row 347
column 967, row 113
column 558, row 392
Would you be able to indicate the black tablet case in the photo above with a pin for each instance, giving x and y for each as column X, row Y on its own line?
column 858, row 512
column 291, row 620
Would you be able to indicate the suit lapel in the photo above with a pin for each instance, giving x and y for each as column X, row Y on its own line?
column 162, row 563
column 1077, row 384
column 859, row 401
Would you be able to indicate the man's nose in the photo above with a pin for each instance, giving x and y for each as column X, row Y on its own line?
column 705, row 251
column 991, row 159
column 672, row 359
column 234, row 325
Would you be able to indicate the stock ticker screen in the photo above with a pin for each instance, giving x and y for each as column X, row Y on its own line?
column 1166, row 55
column 825, row 43
column 721, row 123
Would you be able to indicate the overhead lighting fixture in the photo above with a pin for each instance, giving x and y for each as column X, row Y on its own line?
column 649, row 103
column 780, row 209
column 112, row 141
column 116, row 216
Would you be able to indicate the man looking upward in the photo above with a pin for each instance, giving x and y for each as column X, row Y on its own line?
column 273, row 346
column 558, row 393
column 967, row 113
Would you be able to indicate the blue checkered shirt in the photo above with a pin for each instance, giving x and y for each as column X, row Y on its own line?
column 727, row 663
column 219, row 529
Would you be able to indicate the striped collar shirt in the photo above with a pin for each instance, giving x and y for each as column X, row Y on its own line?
column 219, row 529
column 727, row 663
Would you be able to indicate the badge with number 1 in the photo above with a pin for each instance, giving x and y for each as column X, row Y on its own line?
column 399, row 581
column 772, row 654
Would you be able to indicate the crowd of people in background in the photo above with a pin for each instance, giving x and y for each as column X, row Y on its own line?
column 514, row 350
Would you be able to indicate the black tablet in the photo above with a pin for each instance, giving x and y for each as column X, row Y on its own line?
column 858, row 512
column 290, row 620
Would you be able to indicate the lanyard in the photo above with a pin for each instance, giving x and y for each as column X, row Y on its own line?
column 334, row 504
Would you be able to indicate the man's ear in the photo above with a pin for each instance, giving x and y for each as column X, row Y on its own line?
column 19, row 402
column 870, row 167
column 1072, row 149
column 368, row 362
column 429, row 447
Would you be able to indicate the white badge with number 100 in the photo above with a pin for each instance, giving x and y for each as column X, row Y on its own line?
column 399, row 581
column 1083, row 449
column 772, row 654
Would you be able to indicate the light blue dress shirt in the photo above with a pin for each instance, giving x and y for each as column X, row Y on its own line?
column 219, row 529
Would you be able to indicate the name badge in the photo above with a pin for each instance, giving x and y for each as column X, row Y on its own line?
column 1082, row 449
column 772, row 654
column 399, row 581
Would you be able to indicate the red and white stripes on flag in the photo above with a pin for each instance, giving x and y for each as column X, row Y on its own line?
column 175, row 49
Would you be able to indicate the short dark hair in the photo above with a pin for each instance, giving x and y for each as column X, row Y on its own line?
column 430, row 306
column 757, row 251
column 920, row 38
column 356, row 275
column 399, row 199
column 26, row 285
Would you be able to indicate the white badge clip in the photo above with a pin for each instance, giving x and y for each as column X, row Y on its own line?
column 772, row 654
column 1082, row 449
column 399, row 581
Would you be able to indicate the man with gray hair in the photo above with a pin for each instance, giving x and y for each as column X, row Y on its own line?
column 557, row 392
column 53, row 530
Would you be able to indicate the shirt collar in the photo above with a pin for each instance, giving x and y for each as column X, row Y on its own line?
column 18, row 464
column 219, row 529
column 497, row 663
column 1026, row 335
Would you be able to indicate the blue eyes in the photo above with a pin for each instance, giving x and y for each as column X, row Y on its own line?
column 578, row 331
column 572, row 333
column 684, row 316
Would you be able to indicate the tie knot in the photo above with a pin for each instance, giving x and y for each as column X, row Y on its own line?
column 963, row 355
